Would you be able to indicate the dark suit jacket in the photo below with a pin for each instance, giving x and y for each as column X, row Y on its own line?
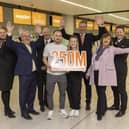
column 24, row 58
column 40, row 55
column 7, row 66
column 121, row 60
column 88, row 41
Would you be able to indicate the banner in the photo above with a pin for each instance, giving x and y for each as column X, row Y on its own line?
column 69, row 61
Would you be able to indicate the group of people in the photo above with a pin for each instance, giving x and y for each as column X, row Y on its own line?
column 31, row 61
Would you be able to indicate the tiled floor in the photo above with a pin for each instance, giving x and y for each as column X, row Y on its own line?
column 87, row 119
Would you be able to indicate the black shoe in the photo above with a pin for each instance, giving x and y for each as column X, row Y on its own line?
column 11, row 111
column 87, row 106
column 113, row 107
column 46, row 104
column 120, row 114
column 34, row 112
column 26, row 116
column 99, row 117
column 42, row 109
column 9, row 114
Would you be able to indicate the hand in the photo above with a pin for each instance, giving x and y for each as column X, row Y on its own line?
column 99, row 20
column 20, row 30
column 49, row 67
column 43, row 68
column 87, row 77
column 62, row 23
column 9, row 27
column 38, row 29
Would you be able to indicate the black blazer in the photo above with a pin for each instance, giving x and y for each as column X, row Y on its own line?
column 7, row 65
column 40, row 55
column 121, row 60
column 88, row 41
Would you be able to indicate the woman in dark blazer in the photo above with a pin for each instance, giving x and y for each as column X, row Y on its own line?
column 7, row 65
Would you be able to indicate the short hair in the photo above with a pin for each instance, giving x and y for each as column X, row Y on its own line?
column 57, row 31
column 120, row 27
column 3, row 28
column 83, row 21
column 105, row 35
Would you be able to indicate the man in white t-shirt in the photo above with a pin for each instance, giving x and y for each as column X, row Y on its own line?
column 53, row 77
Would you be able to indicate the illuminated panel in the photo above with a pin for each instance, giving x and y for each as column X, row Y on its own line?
column 90, row 25
column 38, row 18
column 56, row 20
column 21, row 16
column 1, row 14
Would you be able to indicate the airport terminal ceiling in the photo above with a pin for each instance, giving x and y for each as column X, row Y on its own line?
column 77, row 7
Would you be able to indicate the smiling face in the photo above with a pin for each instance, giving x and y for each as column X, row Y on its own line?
column 73, row 43
column 46, row 33
column 106, row 41
column 3, row 33
column 120, row 33
column 25, row 37
column 57, row 37
column 82, row 27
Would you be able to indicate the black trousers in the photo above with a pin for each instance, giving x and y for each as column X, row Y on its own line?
column 5, row 95
column 41, row 85
column 87, row 88
column 119, row 92
column 101, row 102
column 74, row 90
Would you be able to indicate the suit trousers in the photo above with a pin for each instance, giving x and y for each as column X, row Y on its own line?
column 120, row 93
column 87, row 88
column 41, row 85
column 27, row 90
column 101, row 102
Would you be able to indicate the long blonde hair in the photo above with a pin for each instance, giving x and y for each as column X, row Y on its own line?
column 74, row 37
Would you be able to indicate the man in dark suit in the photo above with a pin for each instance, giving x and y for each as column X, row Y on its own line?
column 119, row 92
column 25, row 68
column 7, row 66
column 41, row 70
column 86, row 40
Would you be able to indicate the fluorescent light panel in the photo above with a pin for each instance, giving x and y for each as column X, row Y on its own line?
column 92, row 9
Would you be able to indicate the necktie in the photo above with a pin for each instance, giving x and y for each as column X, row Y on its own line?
column 82, row 38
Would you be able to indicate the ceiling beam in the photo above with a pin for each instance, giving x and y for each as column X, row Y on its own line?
column 101, row 13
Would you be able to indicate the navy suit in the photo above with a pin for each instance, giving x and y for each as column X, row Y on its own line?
column 27, row 77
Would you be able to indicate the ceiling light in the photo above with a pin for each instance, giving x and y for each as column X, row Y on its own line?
column 93, row 9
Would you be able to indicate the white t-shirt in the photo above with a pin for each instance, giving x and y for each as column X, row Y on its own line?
column 48, row 52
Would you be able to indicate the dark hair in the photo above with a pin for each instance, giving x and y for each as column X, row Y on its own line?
column 120, row 27
column 3, row 28
column 57, row 31
column 83, row 21
column 105, row 35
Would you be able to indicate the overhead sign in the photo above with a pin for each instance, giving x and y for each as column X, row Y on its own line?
column 38, row 18
column 56, row 20
column 1, row 14
column 77, row 21
column 22, row 16
column 90, row 25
